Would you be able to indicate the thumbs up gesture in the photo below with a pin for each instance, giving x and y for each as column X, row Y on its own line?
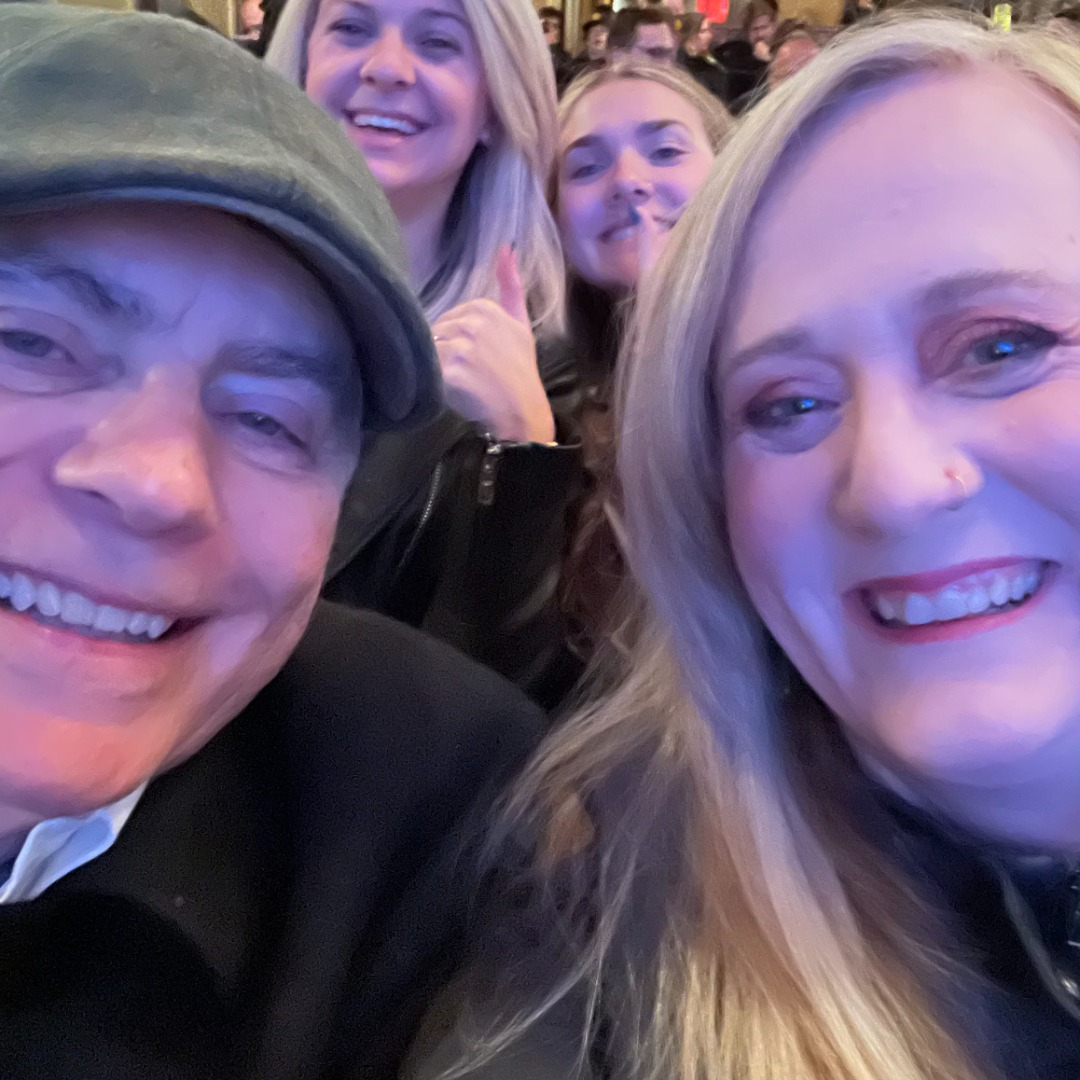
column 488, row 357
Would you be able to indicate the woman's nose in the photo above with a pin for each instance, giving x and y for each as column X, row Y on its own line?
column 900, row 468
column 631, row 181
column 389, row 63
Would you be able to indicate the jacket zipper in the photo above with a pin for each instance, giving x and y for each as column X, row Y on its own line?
column 425, row 516
column 489, row 472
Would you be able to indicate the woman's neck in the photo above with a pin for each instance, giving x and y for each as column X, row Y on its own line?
column 422, row 222
column 1038, row 812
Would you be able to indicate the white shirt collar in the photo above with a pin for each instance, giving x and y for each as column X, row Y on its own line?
column 56, row 847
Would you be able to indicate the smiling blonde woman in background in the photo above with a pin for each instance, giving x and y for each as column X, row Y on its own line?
column 829, row 828
column 452, row 105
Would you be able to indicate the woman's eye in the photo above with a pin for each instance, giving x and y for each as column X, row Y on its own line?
column 1016, row 343
column 583, row 172
column 441, row 45
column 781, row 412
column 791, row 423
column 668, row 154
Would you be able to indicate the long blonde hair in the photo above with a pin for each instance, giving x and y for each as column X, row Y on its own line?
column 501, row 197
column 793, row 942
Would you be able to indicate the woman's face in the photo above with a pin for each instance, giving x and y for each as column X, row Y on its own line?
column 901, row 394
column 405, row 81
column 631, row 156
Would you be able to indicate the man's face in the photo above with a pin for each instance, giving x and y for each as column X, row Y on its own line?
column 596, row 42
column 552, row 30
column 655, row 42
column 175, row 439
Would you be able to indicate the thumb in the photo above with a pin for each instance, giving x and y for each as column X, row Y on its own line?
column 512, row 297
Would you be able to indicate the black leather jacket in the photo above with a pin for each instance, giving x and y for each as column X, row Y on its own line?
column 462, row 536
column 1019, row 918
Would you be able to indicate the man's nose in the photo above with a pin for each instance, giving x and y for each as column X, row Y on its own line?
column 146, row 462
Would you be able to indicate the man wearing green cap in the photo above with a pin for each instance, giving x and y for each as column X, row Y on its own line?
column 213, row 863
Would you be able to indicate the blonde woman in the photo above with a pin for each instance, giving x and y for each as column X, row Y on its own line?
column 636, row 142
column 452, row 105
column 828, row 829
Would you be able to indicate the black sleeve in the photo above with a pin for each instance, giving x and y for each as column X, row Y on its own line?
column 473, row 557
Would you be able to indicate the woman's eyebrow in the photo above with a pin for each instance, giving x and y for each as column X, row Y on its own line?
column 966, row 285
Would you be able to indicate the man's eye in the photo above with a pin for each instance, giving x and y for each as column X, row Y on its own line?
column 268, row 426
column 27, row 343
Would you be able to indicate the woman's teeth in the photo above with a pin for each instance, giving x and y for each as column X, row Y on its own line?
column 386, row 123
column 80, row 614
column 976, row 595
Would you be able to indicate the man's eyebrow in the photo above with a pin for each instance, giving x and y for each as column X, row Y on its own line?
column 334, row 373
column 328, row 370
column 95, row 293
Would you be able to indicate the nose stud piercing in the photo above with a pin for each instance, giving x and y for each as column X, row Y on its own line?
column 957, row 481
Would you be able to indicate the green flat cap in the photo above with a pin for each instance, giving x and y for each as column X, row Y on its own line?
column 97, row 106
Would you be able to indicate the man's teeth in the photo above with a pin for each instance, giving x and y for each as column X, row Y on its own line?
column 961, row 600
column 76, row 610
column 386, row 123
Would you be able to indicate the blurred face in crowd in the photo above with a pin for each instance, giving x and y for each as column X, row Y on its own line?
column 902, row 469
column 596, row 42
column 631, row 156
column 656, row 43
column 251, row 16
column 404, row 79
column 761, row 29
column 700, row 43
column 552, row 31
column 175, row 440
column 791, row 57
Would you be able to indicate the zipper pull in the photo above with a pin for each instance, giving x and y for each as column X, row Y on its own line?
column 489, row 472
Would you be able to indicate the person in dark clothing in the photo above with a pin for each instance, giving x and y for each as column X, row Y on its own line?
column 594, row 53
column 551, row 22
column 829, row 827
column 695, row 55
column 215, row 861
column 458, row 527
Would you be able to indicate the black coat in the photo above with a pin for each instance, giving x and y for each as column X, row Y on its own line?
column 464, row 538
column 707, row 72
column 283, row 905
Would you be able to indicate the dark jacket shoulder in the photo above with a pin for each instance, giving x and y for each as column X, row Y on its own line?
column 285, row 904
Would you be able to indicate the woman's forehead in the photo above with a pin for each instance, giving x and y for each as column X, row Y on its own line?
column 980, row 168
